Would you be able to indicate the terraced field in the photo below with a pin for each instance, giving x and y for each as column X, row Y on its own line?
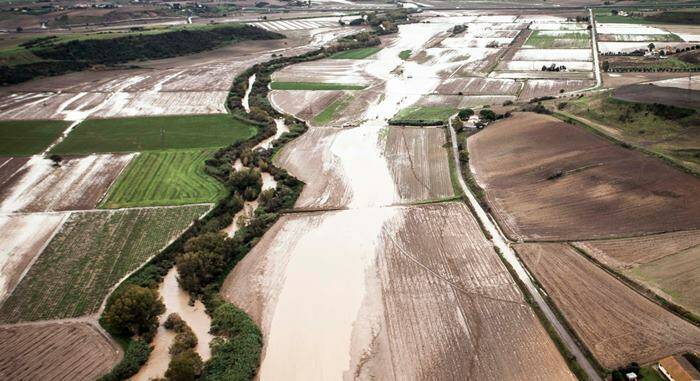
column 154, row 133
column 165, row 178
column 88, row 256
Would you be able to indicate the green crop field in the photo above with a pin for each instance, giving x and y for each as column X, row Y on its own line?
column 356, row 54
column 573, row 40
column 314, row 86
column 164, row 178
column 88, row 256
column 154, row 133
column 26, row 138
column 330, row 112
column 425, row 113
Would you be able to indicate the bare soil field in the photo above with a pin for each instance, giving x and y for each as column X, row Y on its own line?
column 617, row 324
column 541, row 74
column 459, row 101
column 56, row 351
column 8, row 167
column 672, row 96
column 348, row 71
column 622, row 253
column 22, row 238
column 79, row 183
column 418, row 163
column 303, row 104
column 681, row 82
column 614, row 80
column 478, row 86
column 517, row 161
column 410, row 301
column 668, row 264
column 543, row 87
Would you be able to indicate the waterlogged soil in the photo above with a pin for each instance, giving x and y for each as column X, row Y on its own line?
column 377, row 290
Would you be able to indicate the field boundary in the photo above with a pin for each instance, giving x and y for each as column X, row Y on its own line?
column 585, row 124
column 642, row 290
column 565, row 322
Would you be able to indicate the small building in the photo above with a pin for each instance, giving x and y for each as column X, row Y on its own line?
column 677, row 368
column 631, row 376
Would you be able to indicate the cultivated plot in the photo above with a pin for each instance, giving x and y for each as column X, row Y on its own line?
column 154, row 133
column 165, row 178
column 24, row 138
column 56, row 351
column 88, row 256
column 529, row 163
column 625, row 326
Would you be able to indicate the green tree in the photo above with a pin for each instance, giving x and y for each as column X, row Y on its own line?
column 197, row 269
column 134, row 312
column 185, row 366
column 487, row 115
column 465, row 113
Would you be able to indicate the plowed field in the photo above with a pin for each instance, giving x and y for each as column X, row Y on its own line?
column 617, row 324
column 623, row 192
column 55, row 351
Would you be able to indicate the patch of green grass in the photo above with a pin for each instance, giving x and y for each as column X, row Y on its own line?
column 88, row 256
column 573, row 40
column 404, row 54
column 690, row 16
column 356, row 54
column 650, row 374
column 331, row 111
column 154, row 133
column 164, row 178
column 314, row 86
column 425, row 113
column 26, row 138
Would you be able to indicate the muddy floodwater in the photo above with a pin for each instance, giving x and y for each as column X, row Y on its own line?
column 176, row 300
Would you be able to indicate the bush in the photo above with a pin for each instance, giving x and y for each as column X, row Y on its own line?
column 465, row 113
column 197, row 269
column 487, row 115
column 185, row 366
column 236, row 355
column 247, row 182
column 135, row 356
column 134, row 312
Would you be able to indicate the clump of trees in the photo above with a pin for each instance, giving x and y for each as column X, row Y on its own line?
column 134, row 312
column 185, row 362
column 465, row 113
column 247, row 182
column 553, row 67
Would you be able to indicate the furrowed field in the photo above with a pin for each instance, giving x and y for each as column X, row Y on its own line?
column 90, row 254
column 165, row 178
column 154, row 133
column 24, row 138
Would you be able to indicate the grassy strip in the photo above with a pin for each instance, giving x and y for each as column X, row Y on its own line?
column 570, row 359
column 572, row 119
column 568, row 40
column 165, row 178
column 643, row 290
column 330, row 112
column 565, row 323
column 280, row 85
column 423, row 116
column 405, row 54
column 154, row 133
column 356, row 54
column 28, row 137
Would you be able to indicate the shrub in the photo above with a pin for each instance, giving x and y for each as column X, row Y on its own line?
column 135, row 356
column 465, row 113
column 487, row 115
column 185, row 366
column 197, row 269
